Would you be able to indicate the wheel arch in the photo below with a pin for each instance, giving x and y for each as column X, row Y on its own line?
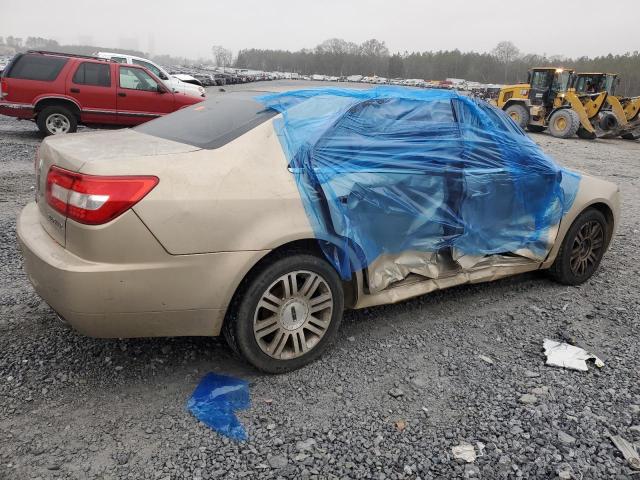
column 608, row 215
column 44, row 102
column 310, row 246
column 562, row 107
column 515, row 101
column 601, row 205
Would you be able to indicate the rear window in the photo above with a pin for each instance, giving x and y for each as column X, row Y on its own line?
column 37, row 67
column 212, row 123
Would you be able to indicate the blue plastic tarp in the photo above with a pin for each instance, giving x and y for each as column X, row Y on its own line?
column 215, row 401
column 389, row 170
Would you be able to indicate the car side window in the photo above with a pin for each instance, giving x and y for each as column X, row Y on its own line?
column 137, row 79
column 90, row 73
column 152, row 68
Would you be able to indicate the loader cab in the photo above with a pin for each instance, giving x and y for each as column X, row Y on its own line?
column 547, row 83
column 594, row 83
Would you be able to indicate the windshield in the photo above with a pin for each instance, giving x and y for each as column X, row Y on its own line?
column 540, row 79
column 157, row 71
column 212, row 123
column 561, row 81
column 610, row 84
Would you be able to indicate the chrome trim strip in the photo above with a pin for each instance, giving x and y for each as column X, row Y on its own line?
column 16, row 106
column 139, row 114
column 101, row 112
column 126, row 113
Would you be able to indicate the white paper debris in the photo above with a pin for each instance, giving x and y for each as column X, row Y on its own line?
column 627, row 450
column 484, row 358
column 464, row 451
column 567, row 356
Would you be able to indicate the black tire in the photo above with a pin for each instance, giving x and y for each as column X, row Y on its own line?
column 608, row 121
column 536, row 128
column 564, row 268
column 585, row 134
column 238, row 328
column 518, row 114
column 564, row 123
column 61, row 111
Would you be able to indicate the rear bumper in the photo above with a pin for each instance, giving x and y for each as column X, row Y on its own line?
column 18, row 110
column 179, row 295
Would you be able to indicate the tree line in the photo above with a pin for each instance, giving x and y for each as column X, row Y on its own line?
column 505, row 64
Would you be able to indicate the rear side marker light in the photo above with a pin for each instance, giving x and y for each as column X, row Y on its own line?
column 94, row 199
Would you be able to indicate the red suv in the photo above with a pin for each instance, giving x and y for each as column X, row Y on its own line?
column 59, row 91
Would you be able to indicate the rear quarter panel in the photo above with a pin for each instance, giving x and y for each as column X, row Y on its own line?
column 236, row 198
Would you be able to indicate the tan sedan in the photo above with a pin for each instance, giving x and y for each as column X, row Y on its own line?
column 195, row 224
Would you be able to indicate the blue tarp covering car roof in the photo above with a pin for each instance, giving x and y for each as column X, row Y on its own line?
column 389, row 170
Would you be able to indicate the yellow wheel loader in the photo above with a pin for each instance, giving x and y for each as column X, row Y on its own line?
column 621, row 115
column 547, row 101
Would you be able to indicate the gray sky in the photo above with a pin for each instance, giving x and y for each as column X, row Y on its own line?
column 189, row 27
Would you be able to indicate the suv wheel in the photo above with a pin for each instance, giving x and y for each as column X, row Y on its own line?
column 287, row 315
column 57, row 120
column 582, row 249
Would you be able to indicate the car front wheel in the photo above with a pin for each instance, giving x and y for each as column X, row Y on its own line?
column 582, row 249
column 287, row 314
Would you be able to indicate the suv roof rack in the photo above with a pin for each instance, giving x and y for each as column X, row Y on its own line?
column 75, row 55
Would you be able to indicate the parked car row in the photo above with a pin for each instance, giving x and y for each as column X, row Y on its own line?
column 210, row 76
column 59, row 91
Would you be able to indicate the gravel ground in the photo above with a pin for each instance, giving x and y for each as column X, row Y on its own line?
column 402, row 385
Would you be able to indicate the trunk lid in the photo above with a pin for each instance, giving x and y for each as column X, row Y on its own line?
column 73, row 151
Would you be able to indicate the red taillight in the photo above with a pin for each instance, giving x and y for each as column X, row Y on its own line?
column 93, row 199
column 4, row 87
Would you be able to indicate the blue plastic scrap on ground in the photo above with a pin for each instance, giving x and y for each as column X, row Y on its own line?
column 215, row 401
column 389, row 170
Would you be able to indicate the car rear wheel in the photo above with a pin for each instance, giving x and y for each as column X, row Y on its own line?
column 287, row 314
column 56, row 120
column 582, row 249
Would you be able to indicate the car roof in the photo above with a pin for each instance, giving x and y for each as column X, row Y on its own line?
column 67, row 55
column 123, row 55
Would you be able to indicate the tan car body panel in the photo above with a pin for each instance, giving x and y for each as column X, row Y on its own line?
column 213, row 218
column 592, row 191
column 134, row 287
column 215, row 200
column 71, row 152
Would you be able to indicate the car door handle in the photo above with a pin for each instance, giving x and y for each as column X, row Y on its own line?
column 74, row 90
column 122, row 94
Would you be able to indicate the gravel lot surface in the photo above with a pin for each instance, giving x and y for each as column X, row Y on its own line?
column 402, row 385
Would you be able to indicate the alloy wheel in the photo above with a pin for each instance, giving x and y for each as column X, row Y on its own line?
column 293, row 315
column 587, row 248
